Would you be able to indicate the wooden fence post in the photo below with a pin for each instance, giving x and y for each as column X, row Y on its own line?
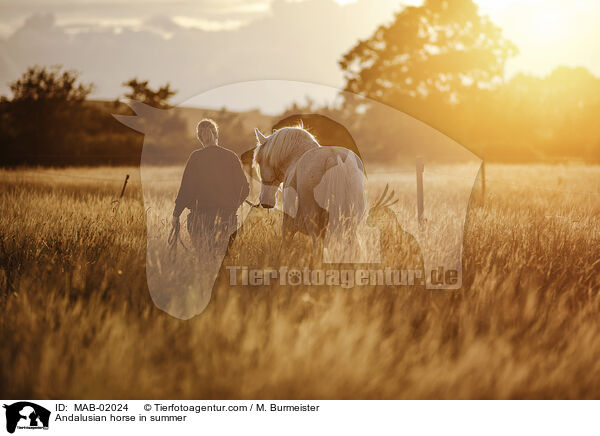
column 420, row 168
column 124, row 186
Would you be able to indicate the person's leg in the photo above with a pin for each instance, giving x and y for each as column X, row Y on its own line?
column 193, row 228
column 232, row 231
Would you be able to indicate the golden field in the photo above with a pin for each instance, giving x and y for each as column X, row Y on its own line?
column 78, row 321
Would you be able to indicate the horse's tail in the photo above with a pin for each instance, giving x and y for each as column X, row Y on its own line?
column 344, row 190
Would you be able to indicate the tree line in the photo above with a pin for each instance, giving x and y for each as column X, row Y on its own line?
column 50, row 121
column 442, row 63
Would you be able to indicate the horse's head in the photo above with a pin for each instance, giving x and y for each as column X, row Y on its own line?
column 270, row 176
column 275, row 154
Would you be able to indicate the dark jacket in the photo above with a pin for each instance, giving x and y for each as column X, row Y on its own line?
column 213, row 180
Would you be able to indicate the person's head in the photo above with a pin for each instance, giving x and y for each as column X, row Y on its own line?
column 207, row 132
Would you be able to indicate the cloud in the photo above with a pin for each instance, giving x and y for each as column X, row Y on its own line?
column 290, row 40
column 162, row 23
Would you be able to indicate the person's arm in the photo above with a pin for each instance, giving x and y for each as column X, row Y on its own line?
column 184, row 196
column 242, row 181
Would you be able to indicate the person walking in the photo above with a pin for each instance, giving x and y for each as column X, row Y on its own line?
column 213, row 187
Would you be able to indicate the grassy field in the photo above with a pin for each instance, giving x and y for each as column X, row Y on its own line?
column 77, row 319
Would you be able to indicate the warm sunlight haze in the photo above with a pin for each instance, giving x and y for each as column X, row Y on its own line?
column 301, row 200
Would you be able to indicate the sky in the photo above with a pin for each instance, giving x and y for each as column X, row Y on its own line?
column 198, row 45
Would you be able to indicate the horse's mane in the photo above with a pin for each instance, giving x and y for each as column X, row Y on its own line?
column 285, row 142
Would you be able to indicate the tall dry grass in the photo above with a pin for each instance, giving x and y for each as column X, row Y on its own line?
column 78, row 322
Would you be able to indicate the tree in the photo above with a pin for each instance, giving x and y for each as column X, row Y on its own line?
column 140, row 91
column 169, row 128
column 442, row 49
column 50, row 85
column 44, row 114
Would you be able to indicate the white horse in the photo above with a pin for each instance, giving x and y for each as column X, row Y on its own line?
column 323, row 187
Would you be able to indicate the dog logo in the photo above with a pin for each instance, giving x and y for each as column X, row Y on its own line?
column 26, row 415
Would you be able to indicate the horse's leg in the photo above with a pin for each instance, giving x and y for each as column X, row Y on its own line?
column 341, row 242
column 318, row 245
column 288, row 230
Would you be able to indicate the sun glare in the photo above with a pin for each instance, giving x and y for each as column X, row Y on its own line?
column 547, row 26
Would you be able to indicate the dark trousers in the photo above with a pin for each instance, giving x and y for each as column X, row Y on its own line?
column 211, row 227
